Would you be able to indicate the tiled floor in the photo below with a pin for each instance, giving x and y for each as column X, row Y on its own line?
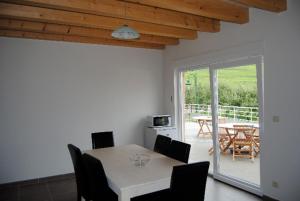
column 62, row 190
column 65, row 190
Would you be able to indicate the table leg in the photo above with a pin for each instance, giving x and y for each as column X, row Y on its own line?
column 123, row 197
column 201, row 124
column 231, row 138
column 209, row 131
column 211, row 150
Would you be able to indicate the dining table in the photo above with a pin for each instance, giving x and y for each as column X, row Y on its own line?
column 128, row 180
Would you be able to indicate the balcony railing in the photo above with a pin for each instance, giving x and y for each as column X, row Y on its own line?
column 234, row 113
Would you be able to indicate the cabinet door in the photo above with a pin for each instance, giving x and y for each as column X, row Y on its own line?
column 167, row 132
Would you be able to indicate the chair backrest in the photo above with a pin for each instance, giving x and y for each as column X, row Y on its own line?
column 162, row 144
column 179, row 151
column 79, row 170
column 188, row 181
column 102, row 139
column 96, row 177
column 247, row 130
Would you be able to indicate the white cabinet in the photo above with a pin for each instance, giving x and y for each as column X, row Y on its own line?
column 152, row 132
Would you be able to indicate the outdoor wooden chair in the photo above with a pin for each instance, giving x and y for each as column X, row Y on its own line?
column 256, row 139
column 222, row 136
column 223, row 140
column 243, row 143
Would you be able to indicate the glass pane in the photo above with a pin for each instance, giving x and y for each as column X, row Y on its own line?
column 238, row 126
column 197, row 115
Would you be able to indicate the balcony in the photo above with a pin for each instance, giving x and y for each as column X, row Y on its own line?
column 240, row 168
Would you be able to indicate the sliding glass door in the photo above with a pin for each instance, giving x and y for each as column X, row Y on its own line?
column 221, row 105
column 197, row 127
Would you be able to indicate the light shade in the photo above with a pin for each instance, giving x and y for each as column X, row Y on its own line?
column 125, row 33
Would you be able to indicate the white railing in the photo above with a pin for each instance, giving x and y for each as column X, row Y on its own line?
column 234, row 113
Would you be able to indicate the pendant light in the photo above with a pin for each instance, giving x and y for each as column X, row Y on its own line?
column 125, row 32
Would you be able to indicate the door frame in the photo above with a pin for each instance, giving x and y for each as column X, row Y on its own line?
column 258, row 61
column 213, row 67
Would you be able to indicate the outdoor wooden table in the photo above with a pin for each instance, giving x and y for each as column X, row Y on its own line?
column 230, row 131
column 128, row 180
column 231, row 134
column 205, row 122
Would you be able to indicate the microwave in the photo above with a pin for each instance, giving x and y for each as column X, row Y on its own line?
column 159, row 120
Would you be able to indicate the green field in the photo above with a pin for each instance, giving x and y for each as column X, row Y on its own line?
column 237, row 86
column 244, row 76
column 235, row 77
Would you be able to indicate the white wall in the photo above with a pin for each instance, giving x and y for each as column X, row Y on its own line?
column 280, row 34
column 55, row 93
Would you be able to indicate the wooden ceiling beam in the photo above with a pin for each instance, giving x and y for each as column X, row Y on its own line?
column 130, row 11
column 40, row 27
column 216, row 9
column 87, row 20
column 270, row 5
column 79, row 39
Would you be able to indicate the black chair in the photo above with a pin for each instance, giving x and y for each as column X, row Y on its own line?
column 102, row 139
column 80, row 174
column 179, row 151
column 162, row 144
column 188, row 182
column 97, row 182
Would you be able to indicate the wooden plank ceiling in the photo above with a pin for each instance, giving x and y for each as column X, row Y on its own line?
column 159, row 22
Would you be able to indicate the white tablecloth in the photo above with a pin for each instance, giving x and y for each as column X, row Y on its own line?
column 129, row 181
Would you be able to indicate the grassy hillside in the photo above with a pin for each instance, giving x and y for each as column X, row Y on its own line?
column 234, row 77
column 237, row 86
column 238, row 77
